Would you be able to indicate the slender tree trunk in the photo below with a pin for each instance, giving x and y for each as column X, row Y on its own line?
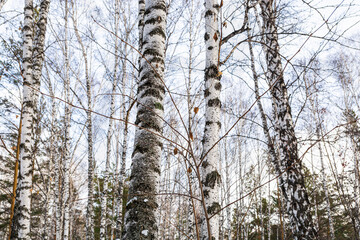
column 141, row 214
column 58, row 197
column 104, row 199
column 49, row 197
column 262, row 229
column 291, row 180
column 66, row 147
column 316, row 220
column 115, row 216
column 314, row 101
column 191, row 222
column 89, row 127
column 48, row 233
column 324, row 183
column 16, row 171
column 210, row 176
column 120, row 181
column 121, row 174
column 228, row 189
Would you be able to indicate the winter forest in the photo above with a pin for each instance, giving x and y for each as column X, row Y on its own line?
column 179, row 119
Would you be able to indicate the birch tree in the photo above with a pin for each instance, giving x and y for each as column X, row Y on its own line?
column 141, row 210
column 115, row 80
column 33, row 57
column 66, row 141
column 89, row 127
column 210, row 175
column 291, row 178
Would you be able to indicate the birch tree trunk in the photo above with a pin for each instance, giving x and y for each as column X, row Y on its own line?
column 66, row 147
column 141, row 211
column 90, row 207
column 89, row 127
column 120, row 180
column 58, row 205
column 48, row 230
column 291, row 180
column 121, row 175
column 33, row 56
column 104, row 194
column 104, row 209
column 21, row 221
column 324, row 183
column 210, row 175
column 115, row 76
column 192, row 231
column 38, row 56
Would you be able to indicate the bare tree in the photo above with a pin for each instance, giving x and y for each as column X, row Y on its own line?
column 291, row 179
column 141, row 210
column 33, row 57
column 210, row 175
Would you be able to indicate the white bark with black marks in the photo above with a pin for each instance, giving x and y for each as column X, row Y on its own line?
column 210, row 175
column 104, row 195
column 291, row 180
column 33, row 57
column 21, row 221
column 142, row 208
column 66, row 142
column 120, row 175
column 89, row 128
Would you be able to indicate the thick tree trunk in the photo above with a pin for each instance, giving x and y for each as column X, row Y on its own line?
column 141, row 211
column 291, row 180
column 33, row 56
column 210, row 175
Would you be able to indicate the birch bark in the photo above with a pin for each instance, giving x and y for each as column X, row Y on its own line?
column 121, row 175
column 141, row 214
column 104, row 195
column 291, row 180
column 52, row 171
column 33, row 56
column 89, row 127
column 210, row 175
column 66, row 147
